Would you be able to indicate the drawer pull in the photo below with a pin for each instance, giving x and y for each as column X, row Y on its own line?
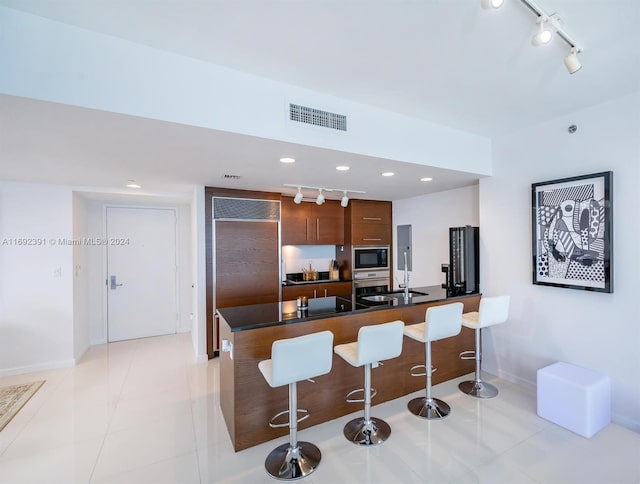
column 371, row 218
column 365, row 238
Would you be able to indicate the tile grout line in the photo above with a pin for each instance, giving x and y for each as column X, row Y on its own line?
column 116, row 403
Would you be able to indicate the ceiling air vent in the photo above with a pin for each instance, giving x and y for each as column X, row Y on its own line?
column 317, row 117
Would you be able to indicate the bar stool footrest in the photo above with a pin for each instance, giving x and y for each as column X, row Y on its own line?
column 274, row 425
column 468, row 355
column 374, row 392
column 411, row 370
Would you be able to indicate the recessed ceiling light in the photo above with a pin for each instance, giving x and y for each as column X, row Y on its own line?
column 426, row 178
column 387, row 173
column 343, row 168
column 287, row 160
column 133, row 184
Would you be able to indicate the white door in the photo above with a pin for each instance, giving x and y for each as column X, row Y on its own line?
column 141, row 272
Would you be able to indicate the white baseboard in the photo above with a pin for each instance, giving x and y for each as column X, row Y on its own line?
column 513, row 378
column 202, row 358
column 77, row 359
column 51, row 365
column 626, row 422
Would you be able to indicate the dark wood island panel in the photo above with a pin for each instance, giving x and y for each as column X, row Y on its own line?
column 248, row 402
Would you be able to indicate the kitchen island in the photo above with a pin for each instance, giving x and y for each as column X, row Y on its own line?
column 248, row 402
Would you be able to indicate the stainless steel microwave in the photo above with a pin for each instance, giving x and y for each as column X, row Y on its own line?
column 368, row 257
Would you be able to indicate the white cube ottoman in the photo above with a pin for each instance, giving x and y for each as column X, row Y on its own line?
column 575, row 398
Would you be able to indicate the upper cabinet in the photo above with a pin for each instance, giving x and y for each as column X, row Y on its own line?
column 370, row 212
column 370, row 222
column 311, row 224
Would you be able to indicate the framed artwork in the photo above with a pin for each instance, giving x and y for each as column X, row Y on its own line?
column 572, row 232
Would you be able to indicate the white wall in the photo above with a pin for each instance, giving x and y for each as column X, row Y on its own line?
column 88, row 69
column 52, row 295
column 198, row 274
column 36, row 282
column 80, row 278
column 547, row 324
column 430, row 217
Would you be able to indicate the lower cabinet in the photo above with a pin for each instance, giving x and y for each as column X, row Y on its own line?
column 322, row 289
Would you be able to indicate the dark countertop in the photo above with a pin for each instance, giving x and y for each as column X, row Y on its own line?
column 317, row 281
column 255, row 316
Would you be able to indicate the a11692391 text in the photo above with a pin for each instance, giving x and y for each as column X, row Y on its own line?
column 62, row 241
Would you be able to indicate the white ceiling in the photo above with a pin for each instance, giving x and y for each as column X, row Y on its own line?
column 446, row 61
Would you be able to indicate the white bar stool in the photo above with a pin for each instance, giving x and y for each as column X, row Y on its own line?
column 492, row 310
column 293, row 360
column 440, row 322
column 375, row 343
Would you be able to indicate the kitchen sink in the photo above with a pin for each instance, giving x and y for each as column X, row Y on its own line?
column 379, row 298
column 400, row 292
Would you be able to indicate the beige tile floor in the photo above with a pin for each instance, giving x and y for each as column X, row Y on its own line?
column 142, row 411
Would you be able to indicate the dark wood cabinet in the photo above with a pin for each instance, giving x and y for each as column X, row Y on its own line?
column 370, row 222
column 370, row 212
column 369, row 234
column 321, row 289
column 311, row 224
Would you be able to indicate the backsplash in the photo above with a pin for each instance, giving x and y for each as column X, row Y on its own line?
column 296, row 257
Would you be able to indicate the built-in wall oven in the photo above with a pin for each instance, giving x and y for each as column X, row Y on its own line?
column 370, row 283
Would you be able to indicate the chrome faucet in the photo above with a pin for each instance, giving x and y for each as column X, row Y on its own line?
column 405, row 286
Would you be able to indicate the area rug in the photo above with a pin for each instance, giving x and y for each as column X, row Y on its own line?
column 13, row 398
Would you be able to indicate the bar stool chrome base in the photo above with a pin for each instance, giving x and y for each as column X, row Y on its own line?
column 431, row 409
column 288, row 464
column 478, row 389
column 358, row 432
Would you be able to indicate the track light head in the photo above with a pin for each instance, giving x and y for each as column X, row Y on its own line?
column 571, row 62
column 488, row 4
column 544, row 34
column 320, row 199
column 298, row 198
column 345, row 200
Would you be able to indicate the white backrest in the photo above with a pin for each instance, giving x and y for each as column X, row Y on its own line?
column 380, row 342
column 443, row 321
column 296, row 359
column 493, row 310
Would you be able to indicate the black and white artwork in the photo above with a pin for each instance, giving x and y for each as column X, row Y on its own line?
column 572, row 232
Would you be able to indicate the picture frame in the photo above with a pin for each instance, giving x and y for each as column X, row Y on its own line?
column 572, row 232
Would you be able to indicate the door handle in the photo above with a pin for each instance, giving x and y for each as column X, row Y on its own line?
column 113, row 283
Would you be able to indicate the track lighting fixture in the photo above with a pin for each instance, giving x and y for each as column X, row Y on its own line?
column 571, row 61
column 544, row 33
column 320, row 199
column 487, row 4
column 345, row 200
column 547, row 25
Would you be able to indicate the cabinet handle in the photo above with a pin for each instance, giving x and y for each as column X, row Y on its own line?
column 318, row 229
column 314, row 294
column 325, row 293
column 306, row 229
column 364, row 238
column 371, row 218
